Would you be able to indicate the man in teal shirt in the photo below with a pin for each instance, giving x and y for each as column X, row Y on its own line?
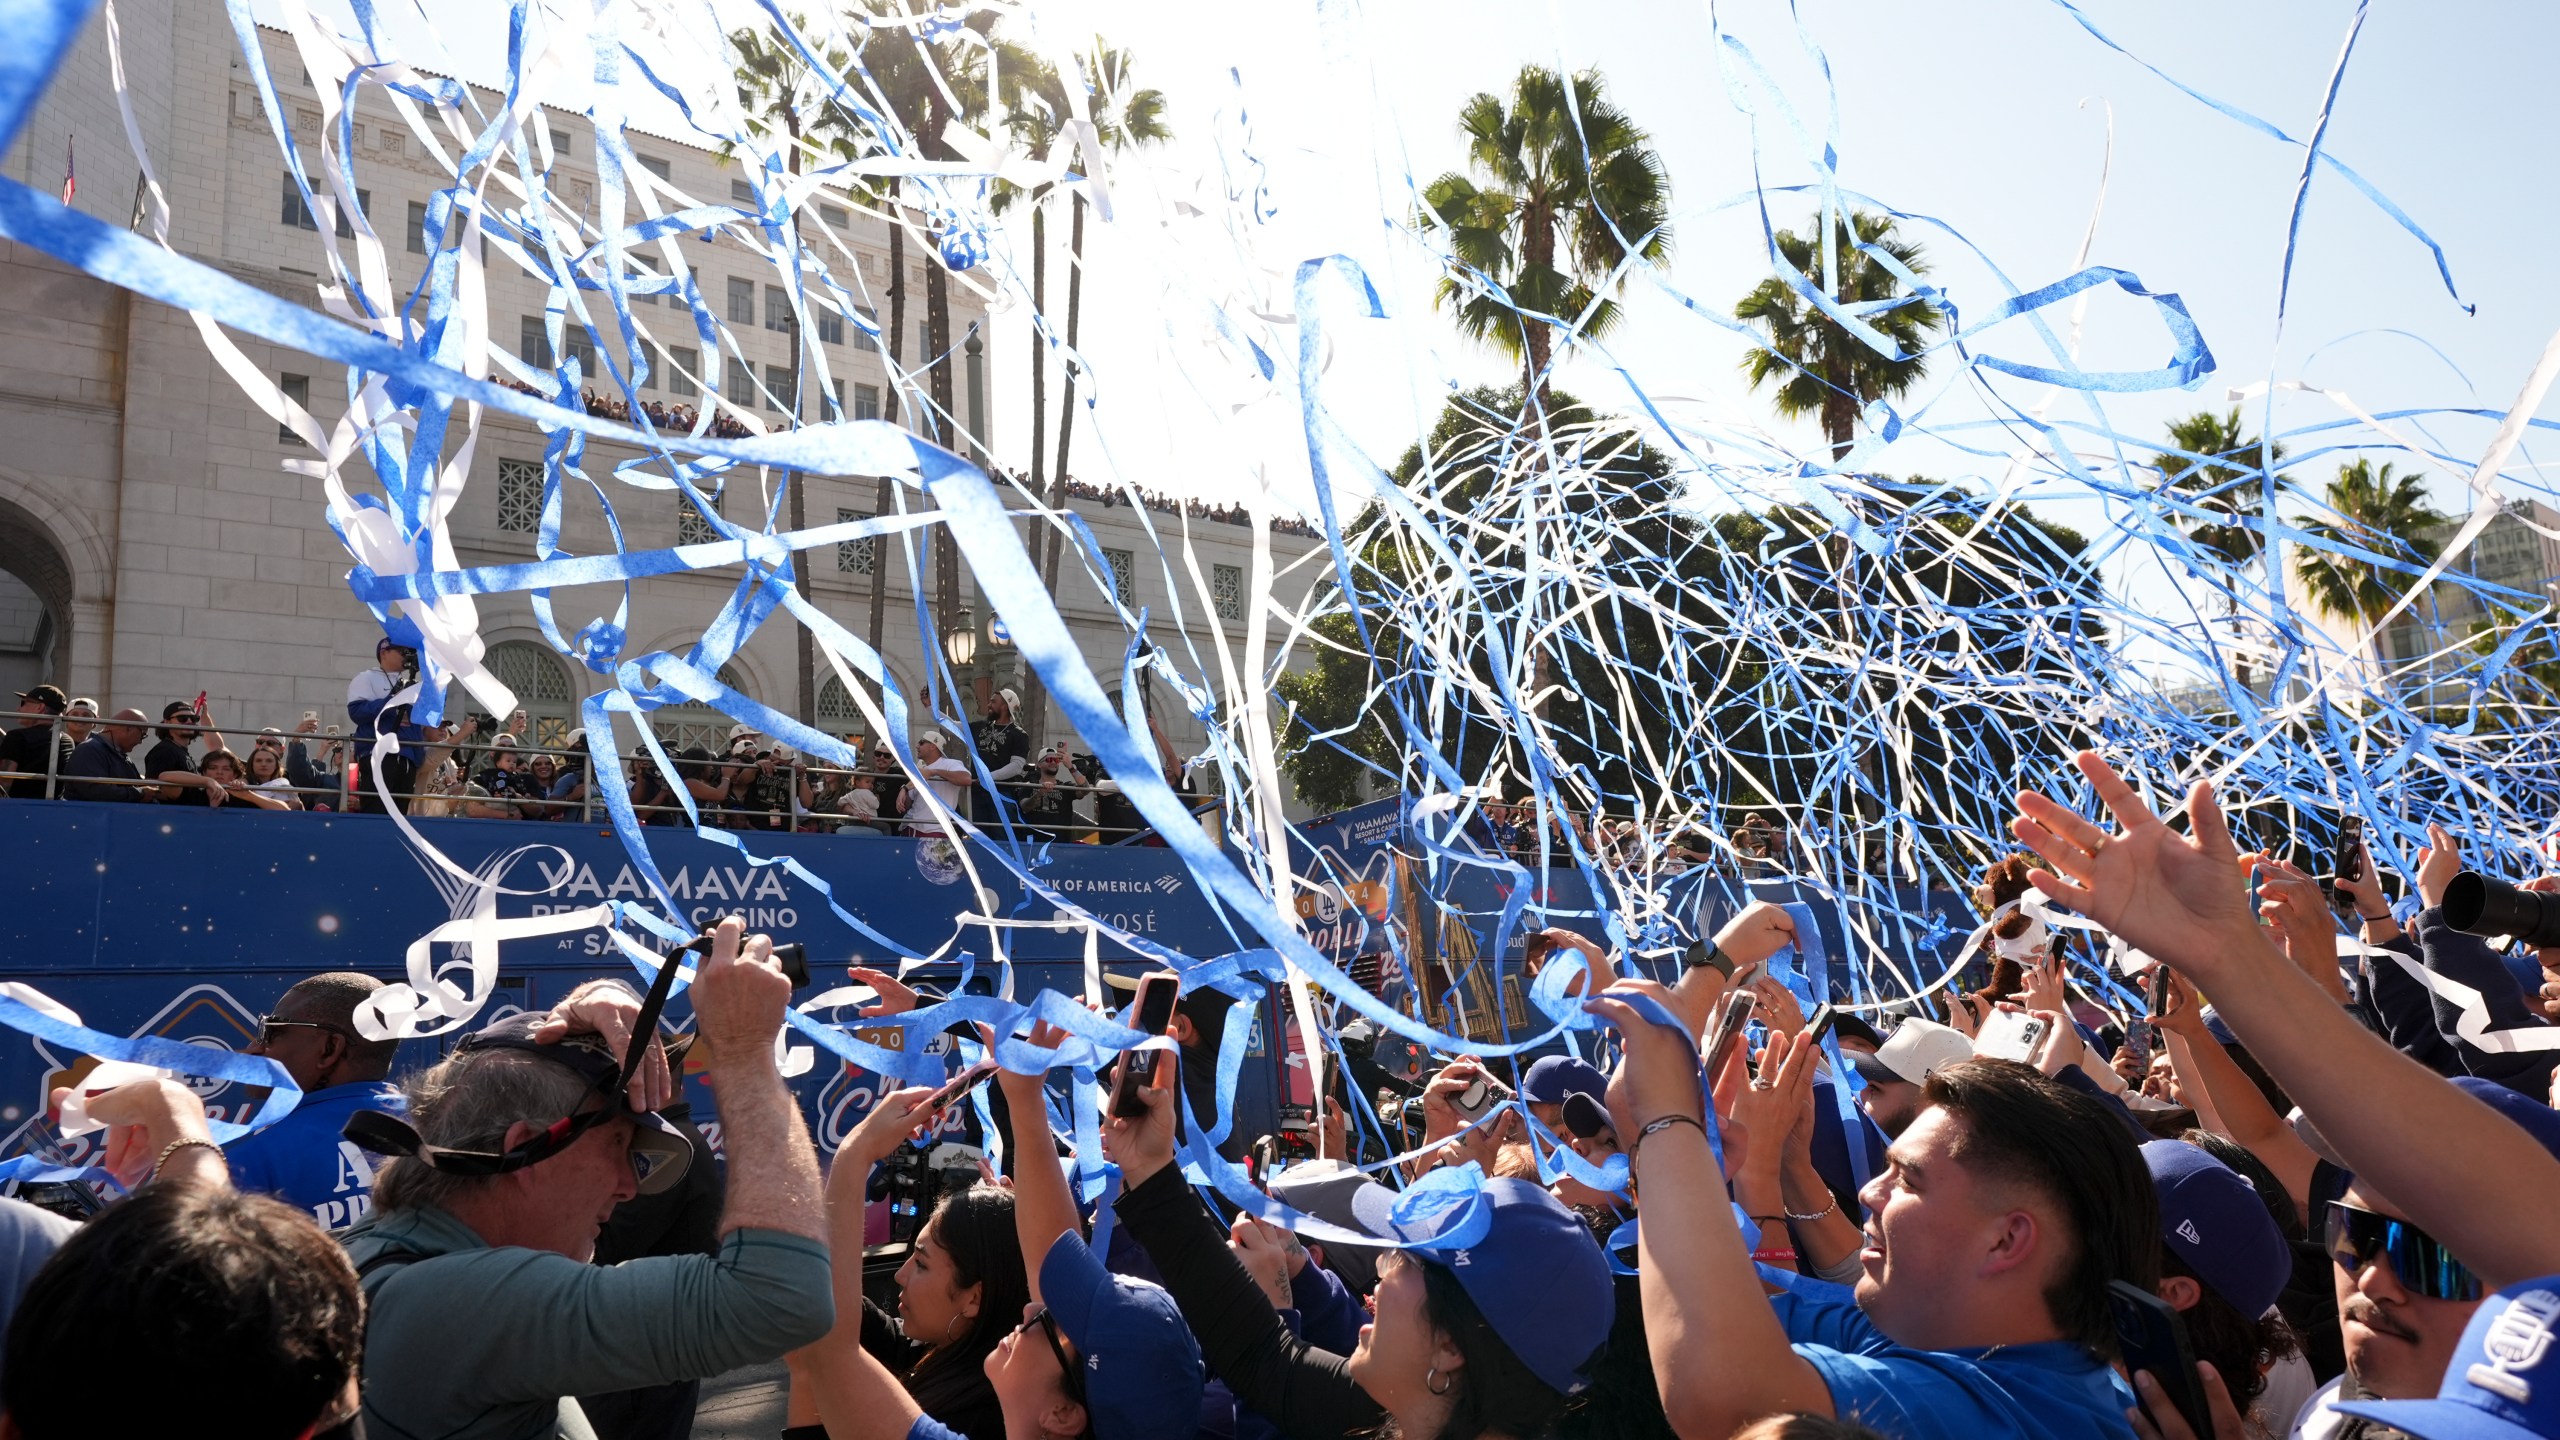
column 486, row 1314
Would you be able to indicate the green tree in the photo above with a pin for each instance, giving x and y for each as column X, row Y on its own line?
column 1812, row 363
column 2219, row 471
column 784, row 97
column 1125, row 115
column 2378, row 511
column 1559, row 183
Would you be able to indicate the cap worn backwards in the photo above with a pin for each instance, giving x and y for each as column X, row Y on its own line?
column 1142, row 1371
column 1915, row 1049
column 2503, row 1383
column 666, row 1152
column 2212, row 1220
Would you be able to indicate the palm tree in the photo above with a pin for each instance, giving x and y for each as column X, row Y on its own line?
column 778, row 90
column 1558, row 162
column 2377, row 511
column 1037, row 117
column 1816, row 365
column 1125, row 116
column 2220, row 472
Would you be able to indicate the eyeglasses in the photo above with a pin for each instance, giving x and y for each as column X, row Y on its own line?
column 2354, row 1237
column 1069, row 1371
column 268, row 1025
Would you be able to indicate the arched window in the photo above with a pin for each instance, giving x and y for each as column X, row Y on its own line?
column 681, row 726
column 837, row 714
column 542, row 690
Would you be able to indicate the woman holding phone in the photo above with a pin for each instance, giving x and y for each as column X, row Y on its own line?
column 960, row 1293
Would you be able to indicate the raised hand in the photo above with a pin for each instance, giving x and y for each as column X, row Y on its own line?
column 2175, row 897
column 896, row 998
column 2045, row 988
column 2439, row 860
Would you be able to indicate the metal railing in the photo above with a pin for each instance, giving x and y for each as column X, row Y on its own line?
column 807, row 789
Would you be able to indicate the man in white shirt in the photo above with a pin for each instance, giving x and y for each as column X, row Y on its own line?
column 946, row 777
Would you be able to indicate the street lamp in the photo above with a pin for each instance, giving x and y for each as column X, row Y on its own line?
column 960, row 643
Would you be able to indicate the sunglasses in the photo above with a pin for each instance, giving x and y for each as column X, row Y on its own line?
column 2355, row 1238
column 1070, row 1373
column 268, row 1025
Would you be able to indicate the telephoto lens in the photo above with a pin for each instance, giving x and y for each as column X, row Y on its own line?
column 2477, row 905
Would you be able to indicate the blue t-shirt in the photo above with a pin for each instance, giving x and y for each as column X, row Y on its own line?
column 928, row 1428
column 2049, row 1391
column 303, row 1160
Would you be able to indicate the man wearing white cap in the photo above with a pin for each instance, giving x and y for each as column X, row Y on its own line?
column 1896, row 1071
column 946, row 777
column 1004, row 750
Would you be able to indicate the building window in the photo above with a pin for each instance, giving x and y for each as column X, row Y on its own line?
column 866, row 402
column 691, row 527
column 560, row 141
column 520, row 496
column 644, row 273
column 924, row 340
column 742, row 300
column 417, row 228
column 1226, row 587
column 742, row 192
column 839, row 386
column 680, row 379
column 782, row 384
column 830, row 326
column 831, row 217
column 837, row 714
column 582, row 350
column 865, row 337
column 853, row 557
column 1124, row 576
column 296, row 388
column 298, row 214
column 657, row 167
column 777, row 309
column 531, row 346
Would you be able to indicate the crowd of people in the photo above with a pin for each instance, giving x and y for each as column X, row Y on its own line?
column 471, row 767
column 1076, row 489
column 2300, row 1190
column 667, row 419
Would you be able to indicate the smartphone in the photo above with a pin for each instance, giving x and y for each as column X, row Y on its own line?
column 1820, row 1025
column 959, row 1085
column 1727, row 1029
column 1156, row 994
column 310, row 717
column 1533, row 951
column 2152, row 1337
column 2350, row 866
column 2155, row 993
column 2009, row 1035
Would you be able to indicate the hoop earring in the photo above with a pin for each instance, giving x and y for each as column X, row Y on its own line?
column 1432, row 1382
column 957, row 1321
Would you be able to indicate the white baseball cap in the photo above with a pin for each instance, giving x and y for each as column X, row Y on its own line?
column 1914, row 1050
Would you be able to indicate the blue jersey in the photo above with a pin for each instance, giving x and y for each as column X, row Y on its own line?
column 303, row 1160
column 2048, row 1391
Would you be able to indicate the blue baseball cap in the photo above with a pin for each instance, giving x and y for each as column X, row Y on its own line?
column 2212, row 1219
column 1555, row 1077
column 1142, row 1373
column 2539, row 1120
column 1540, row 1281
column 2501, row 1384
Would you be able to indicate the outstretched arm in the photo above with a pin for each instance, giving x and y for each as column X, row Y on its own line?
column 1719, row 1353
column 1043, row 1207
column 2450, row 1161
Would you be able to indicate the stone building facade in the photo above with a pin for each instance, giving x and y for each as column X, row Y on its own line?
column 153, row 543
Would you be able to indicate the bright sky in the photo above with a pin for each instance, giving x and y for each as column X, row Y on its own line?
column 1991, row 116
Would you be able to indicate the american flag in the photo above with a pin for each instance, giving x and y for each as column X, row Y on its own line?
column 70, row 171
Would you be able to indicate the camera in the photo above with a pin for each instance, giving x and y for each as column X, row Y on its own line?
column 2477, row 905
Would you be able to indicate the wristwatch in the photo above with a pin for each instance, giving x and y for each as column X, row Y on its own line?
column 1708, row 954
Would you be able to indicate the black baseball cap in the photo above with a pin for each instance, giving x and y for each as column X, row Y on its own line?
column 660, row 1154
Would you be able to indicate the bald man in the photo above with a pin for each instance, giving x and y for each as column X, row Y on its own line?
column 98, row 762
column 303, row 1159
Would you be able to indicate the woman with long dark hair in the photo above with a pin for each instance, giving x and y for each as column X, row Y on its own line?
column 1489, row 1342
column 960, row 1293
